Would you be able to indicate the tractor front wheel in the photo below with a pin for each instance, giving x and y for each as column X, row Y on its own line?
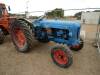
column 21, row 36
column 61, row 56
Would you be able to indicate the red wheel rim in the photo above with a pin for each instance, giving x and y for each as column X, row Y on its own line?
column 61, row 57
column 20, row 37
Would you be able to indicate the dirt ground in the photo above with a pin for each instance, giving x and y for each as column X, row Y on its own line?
column 38, row 61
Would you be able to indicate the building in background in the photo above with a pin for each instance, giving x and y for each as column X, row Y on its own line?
column 90, row 17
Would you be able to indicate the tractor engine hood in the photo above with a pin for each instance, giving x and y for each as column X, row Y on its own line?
column 60, row 24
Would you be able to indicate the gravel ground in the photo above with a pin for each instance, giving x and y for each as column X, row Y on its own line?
column 38, row 61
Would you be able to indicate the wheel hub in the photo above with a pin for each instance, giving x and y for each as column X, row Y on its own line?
column 60, row 57
column 20, row 37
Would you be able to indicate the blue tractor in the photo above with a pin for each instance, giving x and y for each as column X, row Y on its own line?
column 44, row 30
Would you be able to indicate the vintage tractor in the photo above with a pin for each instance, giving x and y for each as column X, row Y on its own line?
column 44, row 30
column 5, row 21
column 23, row 32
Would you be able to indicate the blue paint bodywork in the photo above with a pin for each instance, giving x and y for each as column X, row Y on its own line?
column 72, row 27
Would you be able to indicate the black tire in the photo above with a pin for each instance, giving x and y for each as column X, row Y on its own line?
column 79, row 47
column 68, row 55
column 2, row 36
column 26, row 32
column 28, row 24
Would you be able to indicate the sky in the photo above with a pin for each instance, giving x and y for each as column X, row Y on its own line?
column 18, row 6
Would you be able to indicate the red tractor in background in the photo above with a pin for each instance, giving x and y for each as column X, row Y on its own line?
column 5, row 21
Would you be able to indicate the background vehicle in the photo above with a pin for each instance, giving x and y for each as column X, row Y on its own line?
column 5, row 21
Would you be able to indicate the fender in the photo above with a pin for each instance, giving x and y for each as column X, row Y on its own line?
column 27, row 21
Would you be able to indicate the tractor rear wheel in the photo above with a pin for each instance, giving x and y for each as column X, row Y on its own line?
column 21, row 36
column 61, row 56
column 77, row 47
column 2, row 36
